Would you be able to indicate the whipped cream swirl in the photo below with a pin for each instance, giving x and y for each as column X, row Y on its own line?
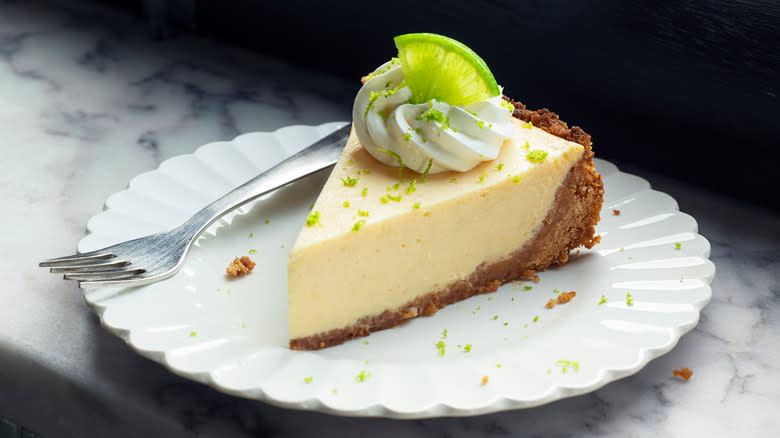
column 436, row 134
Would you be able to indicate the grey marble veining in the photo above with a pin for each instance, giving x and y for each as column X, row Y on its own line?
column 86, row 103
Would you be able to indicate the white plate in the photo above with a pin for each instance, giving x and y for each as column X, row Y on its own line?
column 232, row 334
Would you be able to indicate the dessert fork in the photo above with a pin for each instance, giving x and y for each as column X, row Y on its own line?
column 158, row 256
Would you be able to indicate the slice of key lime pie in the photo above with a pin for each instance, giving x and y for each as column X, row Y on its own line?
column 445, row 189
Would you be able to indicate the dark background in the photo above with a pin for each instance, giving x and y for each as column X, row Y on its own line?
column 686, row 88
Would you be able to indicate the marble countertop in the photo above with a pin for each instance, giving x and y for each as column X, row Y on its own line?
column 86, row 106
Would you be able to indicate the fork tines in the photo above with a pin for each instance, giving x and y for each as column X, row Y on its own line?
column 119, row 274
column 77, row 259
column 91, row 266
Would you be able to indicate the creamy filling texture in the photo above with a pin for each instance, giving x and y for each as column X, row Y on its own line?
column 425, row 240
column 429, row 137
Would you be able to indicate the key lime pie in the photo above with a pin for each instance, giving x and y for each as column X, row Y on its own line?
column 445, row 189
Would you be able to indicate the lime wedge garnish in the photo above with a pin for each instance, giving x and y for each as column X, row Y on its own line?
column 437, row 67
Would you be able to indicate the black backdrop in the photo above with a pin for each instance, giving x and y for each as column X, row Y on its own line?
column 686, row 88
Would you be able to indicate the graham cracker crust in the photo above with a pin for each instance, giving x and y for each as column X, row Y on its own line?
column 569, row 224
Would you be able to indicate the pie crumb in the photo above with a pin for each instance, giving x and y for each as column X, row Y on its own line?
column 240, row 266
column 485, row 380
column 565, row 297
column 562, row 298
column 615, row 212
column 684, row 373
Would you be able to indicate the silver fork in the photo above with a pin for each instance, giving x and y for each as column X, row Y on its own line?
column 159, row 256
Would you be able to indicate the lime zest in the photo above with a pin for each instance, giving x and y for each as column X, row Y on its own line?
column 394, row 155
column 536, row 156
column 395, row 198
column 432, row 115
column 442, row 347
column 565, row 364
column 350, row 181
column 427, row 171
column 412, row 187
column 313, row 219
column 481, row 124
column 375, row 95
column 371, row 100
column 362, row 376
column 418, row 131
column 382, row 70
column 507, row 105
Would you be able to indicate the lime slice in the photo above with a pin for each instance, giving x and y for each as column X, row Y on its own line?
column 438, row 67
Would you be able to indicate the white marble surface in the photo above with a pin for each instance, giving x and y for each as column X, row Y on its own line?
column 87, row 102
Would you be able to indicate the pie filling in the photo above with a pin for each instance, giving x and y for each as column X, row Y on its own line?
column 390, row 253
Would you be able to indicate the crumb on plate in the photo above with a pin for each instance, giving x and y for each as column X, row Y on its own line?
column 684, row 373
column 565, row 297
column 562, row 298
column 240, row 266
column 485, row 380
column 615, row 212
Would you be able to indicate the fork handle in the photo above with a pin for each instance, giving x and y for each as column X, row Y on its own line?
column 319, row 155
